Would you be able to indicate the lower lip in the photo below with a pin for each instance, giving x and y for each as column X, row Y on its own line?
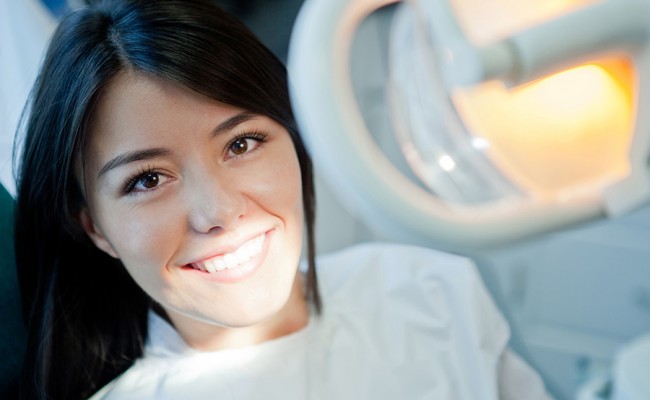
column 239, row 273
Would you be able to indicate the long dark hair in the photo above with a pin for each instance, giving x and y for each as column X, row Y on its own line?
column 86, row 317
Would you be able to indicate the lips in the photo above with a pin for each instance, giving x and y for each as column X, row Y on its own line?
column 248, row 250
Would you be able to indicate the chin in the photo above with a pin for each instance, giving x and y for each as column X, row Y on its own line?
column 250, row 314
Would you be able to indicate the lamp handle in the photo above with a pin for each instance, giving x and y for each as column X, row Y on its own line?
column 613, row 26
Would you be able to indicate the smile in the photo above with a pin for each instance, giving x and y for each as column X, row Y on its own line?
column 242, row 255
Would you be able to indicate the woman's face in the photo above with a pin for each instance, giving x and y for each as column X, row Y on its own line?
column 201, row 202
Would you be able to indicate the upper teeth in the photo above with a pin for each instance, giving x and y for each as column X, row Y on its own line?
column 244, row 253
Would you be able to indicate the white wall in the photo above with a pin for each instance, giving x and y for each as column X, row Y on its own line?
column 25, row 26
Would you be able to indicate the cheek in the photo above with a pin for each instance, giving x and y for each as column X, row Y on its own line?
column 144, row 238
column 280, row 188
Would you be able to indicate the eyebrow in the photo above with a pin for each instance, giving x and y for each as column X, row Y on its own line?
column 232, row 122
column 132, row 156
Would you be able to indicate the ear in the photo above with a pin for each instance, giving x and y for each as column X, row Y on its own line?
column 95, row 234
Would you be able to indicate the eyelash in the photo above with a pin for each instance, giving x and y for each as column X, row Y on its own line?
column 136, row 177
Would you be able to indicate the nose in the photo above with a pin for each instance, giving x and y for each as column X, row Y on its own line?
column 215, row 202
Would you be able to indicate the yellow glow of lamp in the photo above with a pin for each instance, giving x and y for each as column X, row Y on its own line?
column 516, row 117
column 564, row 134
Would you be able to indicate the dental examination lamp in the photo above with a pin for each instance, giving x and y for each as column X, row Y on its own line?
column 515, row 120
column 478, row 123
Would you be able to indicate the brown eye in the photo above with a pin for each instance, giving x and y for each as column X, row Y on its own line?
column 149, row 181
column 245, row 144
column 239, row 146
column 146, row 181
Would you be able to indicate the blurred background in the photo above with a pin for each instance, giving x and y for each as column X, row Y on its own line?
column 573, row 299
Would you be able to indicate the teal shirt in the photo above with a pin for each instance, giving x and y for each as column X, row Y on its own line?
column 12, row 331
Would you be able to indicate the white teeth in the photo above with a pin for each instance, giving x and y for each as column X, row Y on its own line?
column 208, row 265
column 244, row 253
column 242, row 256
column 230, row 260
column 219, row 265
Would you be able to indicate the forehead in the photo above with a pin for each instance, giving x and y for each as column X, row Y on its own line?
column 136, row 110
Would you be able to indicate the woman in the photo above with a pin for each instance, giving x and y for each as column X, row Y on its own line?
column 162, row 192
